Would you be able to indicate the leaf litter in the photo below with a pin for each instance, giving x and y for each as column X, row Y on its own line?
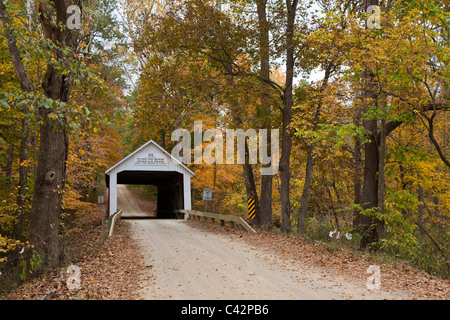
column 114, row 271
column 395, row 275
column 108, row 272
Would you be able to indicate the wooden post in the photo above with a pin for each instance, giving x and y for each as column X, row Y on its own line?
column 103, row 230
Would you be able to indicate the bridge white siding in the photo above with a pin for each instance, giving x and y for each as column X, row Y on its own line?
column 187, row 192
column 149, row 157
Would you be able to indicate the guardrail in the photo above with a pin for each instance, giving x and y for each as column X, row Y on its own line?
column 111, row 223
column 188, row 214
column 233, row 220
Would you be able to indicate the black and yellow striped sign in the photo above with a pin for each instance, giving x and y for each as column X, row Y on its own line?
column 251, row 209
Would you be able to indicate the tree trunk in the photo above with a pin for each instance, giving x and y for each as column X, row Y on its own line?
column 310, row 159
column 214, row 200
column 23, row 179
column 51, row 167
column 369, row 199
column 50, row 174
column 249, row 181
column 286, row 138
column 265, row 217
column 249, row 177
column 26, row 86
column 336, row 219
column 286, row 144
column 305, row 193
column 162, row 137
column 381, row 176
column 421, row 206
column 358, row 169
column 9, row 163
column 370, row 185
column 53, row 151
column 49, row 185
column 22, row 76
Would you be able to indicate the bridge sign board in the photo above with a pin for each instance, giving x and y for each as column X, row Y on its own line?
column 207, row 194
column 150, row 159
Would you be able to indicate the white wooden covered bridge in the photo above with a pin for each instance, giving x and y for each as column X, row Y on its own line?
column 152, row 165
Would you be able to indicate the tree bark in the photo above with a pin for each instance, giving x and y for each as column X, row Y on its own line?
column 9, row 163
column 23, row 179
column 286, row 145
column 26, row 86
column 305, row 194
column 51, row 167
column 22, row 76
column 381, row 175
column 370, row 185
column 249, row 177
column 369, row 199
column 53, row 151
column 421, row 206
column 265, row 217
column 49, row 185
column 358, row 169
column 286, row 135
column 162, row 137
column 249, row 181
column 310, row 159
column 433, row 140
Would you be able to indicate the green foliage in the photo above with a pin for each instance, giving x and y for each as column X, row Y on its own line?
column 399, row 232
column 15, row 105
column 90, row 63
column 337, row 135
column 28, row 268
column 148, row 192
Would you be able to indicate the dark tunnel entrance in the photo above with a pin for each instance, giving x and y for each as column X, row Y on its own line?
column 170, row 197
column 150, row 164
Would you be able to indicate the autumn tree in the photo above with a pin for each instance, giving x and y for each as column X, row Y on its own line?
column 380, row 93
column 45, row 91
column 201, row 65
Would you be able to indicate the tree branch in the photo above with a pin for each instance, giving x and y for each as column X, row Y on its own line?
column 24, row 80
column 433, row 139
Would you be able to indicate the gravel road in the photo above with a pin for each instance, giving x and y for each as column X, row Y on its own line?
column 184, row 262
column 131, row 205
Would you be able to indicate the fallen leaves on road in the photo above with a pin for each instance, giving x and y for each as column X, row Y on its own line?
column 397, row 275
column 111, row 271
column 114, row 271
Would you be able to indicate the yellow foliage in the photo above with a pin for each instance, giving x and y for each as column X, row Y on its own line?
column 8, row 244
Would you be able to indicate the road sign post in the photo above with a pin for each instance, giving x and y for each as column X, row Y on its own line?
column 251, row 209
column 207, row 196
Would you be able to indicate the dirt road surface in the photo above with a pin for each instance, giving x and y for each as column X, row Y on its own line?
column 184, row 262
column 133, row 206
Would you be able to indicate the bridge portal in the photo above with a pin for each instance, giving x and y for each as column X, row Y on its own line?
column 152, row 165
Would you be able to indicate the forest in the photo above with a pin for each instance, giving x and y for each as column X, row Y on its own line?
column 357, row 89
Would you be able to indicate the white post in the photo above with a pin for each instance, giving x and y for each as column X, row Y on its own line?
column 187, row 193
column 112, row 193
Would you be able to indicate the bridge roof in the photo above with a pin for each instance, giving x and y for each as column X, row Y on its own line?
column 150, row 157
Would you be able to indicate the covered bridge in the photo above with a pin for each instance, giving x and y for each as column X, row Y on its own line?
column 152, row 165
